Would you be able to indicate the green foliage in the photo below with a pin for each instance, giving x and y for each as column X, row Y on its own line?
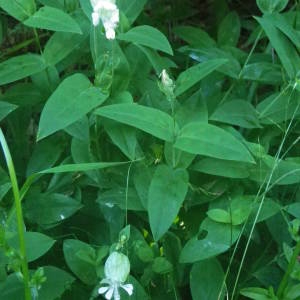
column 173, row 147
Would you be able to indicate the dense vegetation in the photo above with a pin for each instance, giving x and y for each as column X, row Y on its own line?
column 150, row 149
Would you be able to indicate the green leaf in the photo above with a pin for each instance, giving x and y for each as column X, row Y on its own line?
column 219, row 237
column 195, row 36
column 229, row 30
column 58, row 281
column 44, row 155
column 37, row 244
column 219, row 215
column 131, row 8
column 212, row 141
column 73, row 99
column 5, row 109
column 219, row 167
column 285, row 50
column 167, row 192
column 19, row 9
column 206, row 280
column 81, row 167
column 62, row 44
column 74, row 250
column 236, row 112
column 264, row 72
column 123, row 136
column 50, row 209
column 147, row 36
column 117, row 196
column 150, row 120
column 193, row 75
column 19, row 67
column 256, row 293
column 51, row 18
column 161, row 265
column 270, row 6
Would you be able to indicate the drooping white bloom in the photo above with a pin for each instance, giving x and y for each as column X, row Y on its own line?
column 116, row 269
column 108, row 12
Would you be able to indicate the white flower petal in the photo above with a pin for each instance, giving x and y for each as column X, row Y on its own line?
column 110, row 293
column 128, row 288
column 96, row 18
column 103, row 290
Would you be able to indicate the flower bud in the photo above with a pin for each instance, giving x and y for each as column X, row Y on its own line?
column 117, row 267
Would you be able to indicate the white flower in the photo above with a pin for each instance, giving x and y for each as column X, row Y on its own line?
column 116, row 269
column 108, row 12
column 167, row 85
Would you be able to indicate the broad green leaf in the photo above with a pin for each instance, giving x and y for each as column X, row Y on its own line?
column 150, row 120
column 271, row 6
column 12, row 288
column 72, row 100
column 51, row 18
column 194, row 36
column 294, row 209
column 37, row 244
column 256, row 293
column 44, row 155
column 62, row 44
column 219, row 239
column 161, row 265
column 19, row 67
column 264, row 72
column 167, row 191
column 74, row 250
column 81, row 167
column 19, row 9
column 50, row 209
column 279, row 107
column 229, row 30
column 281, row 22
column 237, row 112
column 206, row 280
column 285, row 50
column 147, row 36
column 219, row 215
column 58, row 281
column 5, row 109
column 122, row 136
column 219, row 167
column 212, row 141
column 23, row 94
column 236, row 212
column 117, row 196
column 131, row 8
column 231, row 67
column 193, row 75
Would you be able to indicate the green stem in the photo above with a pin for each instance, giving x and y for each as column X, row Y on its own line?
column 288, row 272
column 19, row 213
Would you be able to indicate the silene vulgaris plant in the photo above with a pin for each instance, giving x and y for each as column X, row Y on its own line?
column 150, row 150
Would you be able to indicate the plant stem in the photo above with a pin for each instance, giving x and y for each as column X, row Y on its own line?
column 288, row 272
column 19, row 213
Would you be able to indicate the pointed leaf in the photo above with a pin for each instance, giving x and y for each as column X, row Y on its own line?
column 147, row 36
column 167, row 191
column 6, row 108
column 148, row 119
column 19, row 67
column 203, row 272
column 210, row 140
column 73, row 99
column 194, row 74
column 51, row 18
